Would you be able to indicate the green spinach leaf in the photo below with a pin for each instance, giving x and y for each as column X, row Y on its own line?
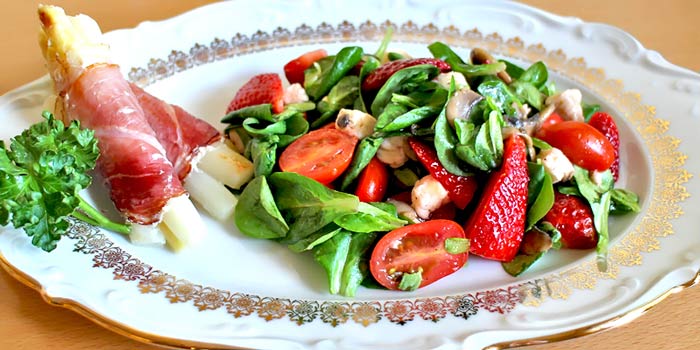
column 256, row 213
column 513, row 70
column 308, row 205
column 263, row 151
column 296, row 127
column 260, row 112
column 589, row 110
column 342, row 95
column 343, row 62
column 601, row 210
column 270, row 129
column 623, row 201
column 442, row 51
column 521, row 263
column 366, row 149
column 500, row 94
column 404, row 80
column 536, row 75
column 345, row 259
column 313, row 240
column 542, row 203
column 446, row 141
column 477, row 70
column 484, row 147
column 369, row 218
column 332, row 255
column 356, row 267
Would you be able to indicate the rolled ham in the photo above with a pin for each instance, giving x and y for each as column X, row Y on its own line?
column 181, row 134
column 132, row 161
column 142, row 181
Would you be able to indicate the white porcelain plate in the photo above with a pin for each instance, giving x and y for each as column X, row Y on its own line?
column 233, row 291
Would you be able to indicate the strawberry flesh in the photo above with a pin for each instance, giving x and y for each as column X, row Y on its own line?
column 461, row 189
column 379, row 76
column 497, row 226
column 260, row 89
column 573, row 218
column 605, row 123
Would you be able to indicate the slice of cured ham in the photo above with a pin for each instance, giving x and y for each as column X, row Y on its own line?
column 181, row 134
column 133, row 162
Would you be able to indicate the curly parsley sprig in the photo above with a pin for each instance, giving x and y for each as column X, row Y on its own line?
column 41, row 176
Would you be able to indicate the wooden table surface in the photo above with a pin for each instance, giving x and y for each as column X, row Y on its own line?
column 27, row 322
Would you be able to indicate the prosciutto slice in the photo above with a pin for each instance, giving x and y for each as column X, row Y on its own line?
column 180, row 133
column 134, row 164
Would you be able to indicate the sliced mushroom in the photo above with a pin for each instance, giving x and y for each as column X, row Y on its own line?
column 481, row 56
column 237, row 138
column 521, row 121
column 461, row 105
column 535, row 241
column 355, row 123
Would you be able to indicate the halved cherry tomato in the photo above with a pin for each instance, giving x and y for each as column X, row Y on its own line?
column 373, row 182
column 321, row 155
column 330, row 125
column 294, row 69
column 581, row 143
column 552, row 119
column 417, row 247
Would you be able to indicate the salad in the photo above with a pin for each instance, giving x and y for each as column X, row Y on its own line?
column 391, row 170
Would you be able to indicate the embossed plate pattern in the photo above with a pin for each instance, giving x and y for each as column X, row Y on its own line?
column 227, row 292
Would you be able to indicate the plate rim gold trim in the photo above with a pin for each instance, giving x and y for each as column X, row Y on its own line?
column 426, row 33
column 149, row 338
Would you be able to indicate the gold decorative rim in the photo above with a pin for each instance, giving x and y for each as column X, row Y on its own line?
column 656, row 222
column 109, row 324
column 149, row 338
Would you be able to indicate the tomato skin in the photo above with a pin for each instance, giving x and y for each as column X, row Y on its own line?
column 321, row 155
column 552, row 119
column 294, row 69
column 373, row 182
column 330, row 125
column 422, row 245
column 581, row 143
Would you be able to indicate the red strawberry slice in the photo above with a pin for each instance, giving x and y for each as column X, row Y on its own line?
column 574, row 220
column 379, row 76
column 262, row 88
column 497, row 226
column 460, row 189
column 605, row 123
column 294, row 69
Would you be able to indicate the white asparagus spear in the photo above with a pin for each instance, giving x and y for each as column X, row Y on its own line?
column 71, row 45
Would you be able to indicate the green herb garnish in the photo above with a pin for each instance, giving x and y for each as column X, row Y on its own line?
column 41, row 176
